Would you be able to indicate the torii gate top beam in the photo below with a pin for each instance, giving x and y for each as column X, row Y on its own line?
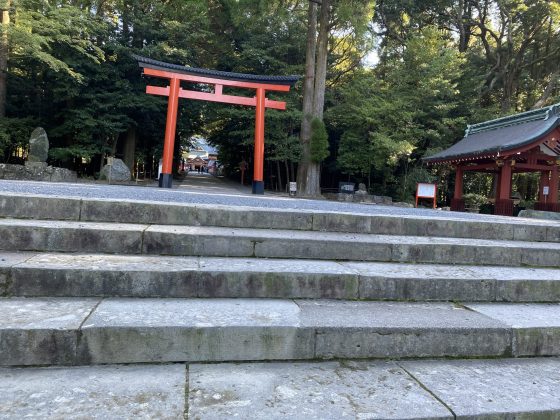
column 217, row 78
column 246, row 80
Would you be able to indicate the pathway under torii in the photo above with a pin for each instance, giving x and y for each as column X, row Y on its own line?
column 218, row 79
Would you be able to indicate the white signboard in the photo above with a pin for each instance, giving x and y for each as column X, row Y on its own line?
column 545, row 190
column 426, row 190
column 293, row 188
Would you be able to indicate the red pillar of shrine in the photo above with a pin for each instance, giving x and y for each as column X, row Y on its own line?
column 258, row 169
column 498, row 182
column 457, row 202
column 543, row 182
column 504, row 204
column 553, row 191
column 554, row 185
column 166, row 176
column 548, row 202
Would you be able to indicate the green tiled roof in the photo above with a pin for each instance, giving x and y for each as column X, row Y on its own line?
column 500, row 135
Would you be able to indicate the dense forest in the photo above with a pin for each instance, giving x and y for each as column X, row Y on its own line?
column 400, row 78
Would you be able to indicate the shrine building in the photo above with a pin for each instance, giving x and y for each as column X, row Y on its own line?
column 526, row 142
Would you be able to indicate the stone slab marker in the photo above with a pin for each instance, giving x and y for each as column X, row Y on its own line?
column 38, row 146
column 118, row 171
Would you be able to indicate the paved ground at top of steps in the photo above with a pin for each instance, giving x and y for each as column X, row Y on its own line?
column 416, row 223
column 126, row 193
column 442, row 389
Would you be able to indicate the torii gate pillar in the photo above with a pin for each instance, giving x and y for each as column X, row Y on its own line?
column 166, row 176
column 258, row 168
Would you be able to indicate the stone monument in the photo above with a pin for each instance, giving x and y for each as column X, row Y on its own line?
column 117, row 171
column 38, row 146
column 361, row 189
column 36, row 167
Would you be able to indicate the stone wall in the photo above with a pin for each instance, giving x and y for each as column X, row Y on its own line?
column 36, row 171
column 359, row 198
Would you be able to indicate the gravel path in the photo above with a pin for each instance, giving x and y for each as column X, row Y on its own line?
column 198, row 189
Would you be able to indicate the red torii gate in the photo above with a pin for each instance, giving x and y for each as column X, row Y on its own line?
column 176, row 74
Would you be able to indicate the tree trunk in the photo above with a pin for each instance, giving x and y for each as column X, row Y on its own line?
column 4, row 21
column 129, row 149
column 464, row 15
column 304, row 168
column 126, row 22
column 292, row 172
column 309, row 172
column 510, row 91
column 554, row 78
column 321, row 66
column 280, row 185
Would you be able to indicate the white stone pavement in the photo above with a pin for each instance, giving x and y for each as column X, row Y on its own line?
column 429, row 389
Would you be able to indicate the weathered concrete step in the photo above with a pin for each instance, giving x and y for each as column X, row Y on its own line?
column 164, row 213
column 89, row 275
column 42, row 235
column 94, row 392
column 90, row 331
column 430, row 389
column 434, row 389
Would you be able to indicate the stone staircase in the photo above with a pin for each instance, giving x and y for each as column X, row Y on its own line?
column 91, row 281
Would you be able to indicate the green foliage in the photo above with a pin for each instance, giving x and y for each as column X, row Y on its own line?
column 355, row 154
column 391, row 117
column 475, row 200
column 440, row 64
column 14, row 133
column 50, row 34
column 319, row 144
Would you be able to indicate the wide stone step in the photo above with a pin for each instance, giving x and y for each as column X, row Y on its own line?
column 58, row 331
column 90, row 275
column 164, row 213
column 44, row 235
column 434, row 389
column 420, row 389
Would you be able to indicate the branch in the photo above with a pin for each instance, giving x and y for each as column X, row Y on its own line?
column 543, row 58
column 554, row 78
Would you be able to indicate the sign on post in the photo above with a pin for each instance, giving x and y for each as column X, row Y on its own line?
column 110, row 161
column 293, row 188
column 346, row 187
column 545, row 192
column 426, row 191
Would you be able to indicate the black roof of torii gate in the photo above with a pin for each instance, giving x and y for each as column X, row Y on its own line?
column 216, row 74
column 497, row 136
